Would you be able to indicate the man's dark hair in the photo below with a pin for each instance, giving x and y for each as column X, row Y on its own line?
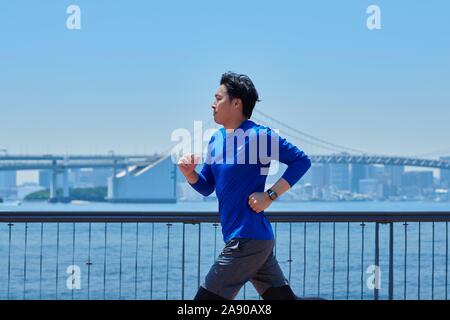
column 240, row 86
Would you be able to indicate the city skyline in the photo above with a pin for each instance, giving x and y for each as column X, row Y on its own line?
column 29, row 175
column 324, row 181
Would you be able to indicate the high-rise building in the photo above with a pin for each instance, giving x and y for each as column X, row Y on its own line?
column 86, row 178
column 395, row 175
column 100, row 177
column 315, row 176
column 445, row 175
column 78, row 178
column 45, row 178
column 378, row 172
column 319, row 176
column 358, row 172
column 8, row 184
column 393, row 185
column 340, row 176
column 81, row 178
column 8, row 179
column 420, row 179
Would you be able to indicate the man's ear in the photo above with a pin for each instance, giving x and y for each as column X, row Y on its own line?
column 237, row 102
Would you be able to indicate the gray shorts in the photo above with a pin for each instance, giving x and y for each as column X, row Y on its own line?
column 244, row 260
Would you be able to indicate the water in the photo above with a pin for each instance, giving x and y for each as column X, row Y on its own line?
column 400, row 206
column 129, row 275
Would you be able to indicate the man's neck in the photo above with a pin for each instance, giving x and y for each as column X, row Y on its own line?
column 234, row 124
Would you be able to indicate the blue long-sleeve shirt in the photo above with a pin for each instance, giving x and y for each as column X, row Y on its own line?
column 236, row 170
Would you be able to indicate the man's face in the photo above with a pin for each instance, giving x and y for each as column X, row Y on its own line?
column 222, row 106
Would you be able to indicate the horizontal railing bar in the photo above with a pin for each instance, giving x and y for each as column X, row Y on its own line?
column 192, row 217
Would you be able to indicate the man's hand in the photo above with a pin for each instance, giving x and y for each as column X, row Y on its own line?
column 259, row 201
column 187, row 164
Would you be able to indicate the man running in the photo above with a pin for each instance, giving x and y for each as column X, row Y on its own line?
column 237, row 171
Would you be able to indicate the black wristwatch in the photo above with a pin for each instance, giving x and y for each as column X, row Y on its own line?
column 272, row 194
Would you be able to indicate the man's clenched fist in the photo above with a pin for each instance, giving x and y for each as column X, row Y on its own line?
column 187, row 164
column 259, row 201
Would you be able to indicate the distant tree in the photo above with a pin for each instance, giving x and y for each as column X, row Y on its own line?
column 97, row 194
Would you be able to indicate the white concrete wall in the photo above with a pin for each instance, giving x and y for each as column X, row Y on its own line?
column 155, row 183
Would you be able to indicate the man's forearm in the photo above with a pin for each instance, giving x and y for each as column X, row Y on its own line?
column 281, row 186
column 200, row 183
column 260, row 201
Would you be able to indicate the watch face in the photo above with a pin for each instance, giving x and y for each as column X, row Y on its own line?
column 272, row 194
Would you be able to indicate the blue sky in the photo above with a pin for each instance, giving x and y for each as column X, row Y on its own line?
column 137, row 70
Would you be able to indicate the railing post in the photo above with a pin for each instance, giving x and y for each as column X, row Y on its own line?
column 348, row 260
column 290, row 252
column 151, row 261
column 432, row 261
column 25, row 263
column 199, row 253
column 136, row 261
column 40, row 261
column 89, row 262
column 405, row 261
column 183, row 257
column 418, row 264
column 120, row 263
column 318, row 265
column 9, row 258
column 304, row 259
column 377, row 258
column 168, row 260
column 391, row 261
column 446, row 260
column 104, row 261
column 363, row 225
column 334, row 260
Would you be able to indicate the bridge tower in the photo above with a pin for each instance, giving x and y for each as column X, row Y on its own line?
column 54, row 183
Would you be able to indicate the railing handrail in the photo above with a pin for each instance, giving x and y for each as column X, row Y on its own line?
column 194, row 217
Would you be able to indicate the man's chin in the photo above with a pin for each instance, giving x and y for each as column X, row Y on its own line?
column 217, row 121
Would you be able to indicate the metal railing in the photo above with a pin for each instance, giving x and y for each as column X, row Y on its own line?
column 165, row 255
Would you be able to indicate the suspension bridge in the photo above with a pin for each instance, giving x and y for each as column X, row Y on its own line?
column 319, row 150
